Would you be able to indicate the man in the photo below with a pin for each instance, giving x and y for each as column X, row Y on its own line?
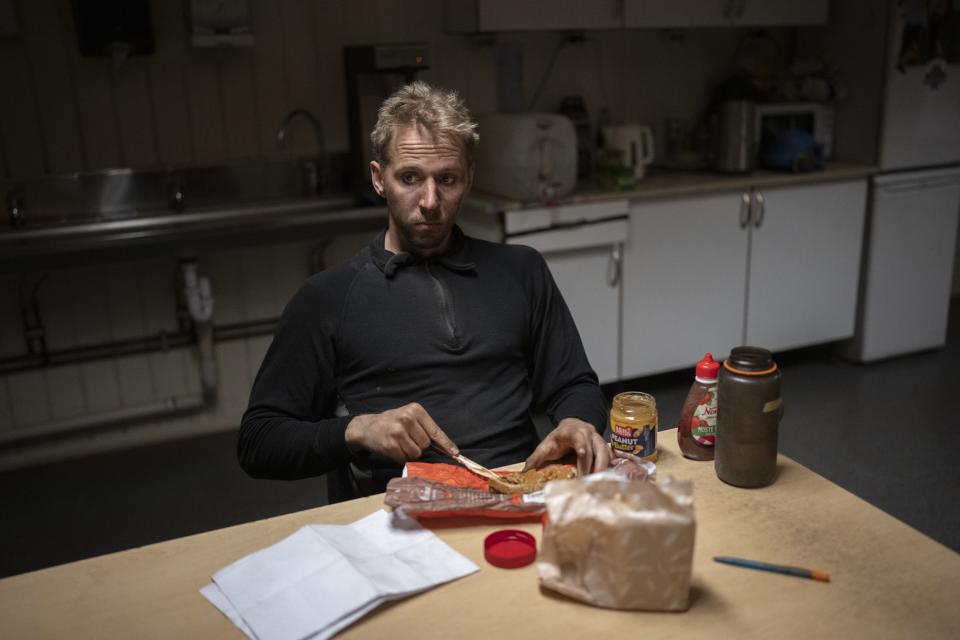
column 425, row 338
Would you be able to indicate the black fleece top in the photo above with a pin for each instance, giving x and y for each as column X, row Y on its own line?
column 479, row 336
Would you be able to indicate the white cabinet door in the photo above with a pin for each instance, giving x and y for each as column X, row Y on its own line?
column 683, row 282
column 719, row 13
column 586, row 278
column 805, row 264
column 532, row 15
column 753, row 13
column 652, row 14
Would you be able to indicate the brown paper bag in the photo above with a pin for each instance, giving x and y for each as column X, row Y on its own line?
column 617, row 543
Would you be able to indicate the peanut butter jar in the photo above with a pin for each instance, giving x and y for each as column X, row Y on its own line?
column 633, row 424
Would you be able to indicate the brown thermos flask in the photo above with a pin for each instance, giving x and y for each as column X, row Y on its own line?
column 749, row 408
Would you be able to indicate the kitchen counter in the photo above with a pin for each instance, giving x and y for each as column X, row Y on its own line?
column 679, row 184
column 887, row 580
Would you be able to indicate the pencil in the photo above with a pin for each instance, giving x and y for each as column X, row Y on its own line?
column 775, row 568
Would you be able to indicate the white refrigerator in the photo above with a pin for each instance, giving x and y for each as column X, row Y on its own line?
column 911, row 232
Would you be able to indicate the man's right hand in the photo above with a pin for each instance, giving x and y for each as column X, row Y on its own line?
column 399, row 434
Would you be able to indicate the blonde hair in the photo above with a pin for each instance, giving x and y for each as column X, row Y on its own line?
column 440, row 111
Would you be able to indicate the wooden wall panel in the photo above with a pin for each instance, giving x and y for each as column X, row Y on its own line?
column 66, row 392
column 91, row 311
column 4, row 172
column 31, row 404
column 101, row 386
column 238, row 97
column 258, row 283
column 223, row 270
column 6, row 407
column 124, row 303
column 300, row 64
column 206, row 111
column 233, row 372
column 136, row 383
column 57, row 309
column 167, row 79
column 46, row 47
column 98, row 119
column 11, row 324
column 332, row 34
column 135, row 113
column 269, row 74
column 22, row 135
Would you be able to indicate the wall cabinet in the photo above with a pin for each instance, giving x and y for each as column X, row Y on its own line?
column 557, row 15
column 773, row 267
column 531, row 15
column 722, row 13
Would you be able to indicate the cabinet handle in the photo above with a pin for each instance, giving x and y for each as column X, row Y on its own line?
column 615, row 265
column 616, row 10
column 758, row 219
column 744, row 210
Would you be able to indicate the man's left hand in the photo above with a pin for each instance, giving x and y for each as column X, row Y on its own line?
column 572, row 435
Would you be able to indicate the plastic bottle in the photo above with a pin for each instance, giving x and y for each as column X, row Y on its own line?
column 748, row 420
column 697, row 429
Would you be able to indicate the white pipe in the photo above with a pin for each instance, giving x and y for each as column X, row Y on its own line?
column 166, row 406
column 200, row 305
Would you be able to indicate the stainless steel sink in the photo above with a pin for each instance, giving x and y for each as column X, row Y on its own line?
column 124, row 214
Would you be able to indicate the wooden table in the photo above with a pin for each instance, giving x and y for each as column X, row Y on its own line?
column 889, row 581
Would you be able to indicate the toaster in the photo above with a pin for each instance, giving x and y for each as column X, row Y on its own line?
column 529, row 157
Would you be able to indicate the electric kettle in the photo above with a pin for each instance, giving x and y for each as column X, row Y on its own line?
column 636, row 143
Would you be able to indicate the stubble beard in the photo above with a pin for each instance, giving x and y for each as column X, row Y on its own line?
column 431, row 242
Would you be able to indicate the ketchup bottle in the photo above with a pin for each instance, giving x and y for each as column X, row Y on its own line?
column 697, row 430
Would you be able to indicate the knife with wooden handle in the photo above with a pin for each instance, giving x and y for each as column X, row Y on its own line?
column 475, row 467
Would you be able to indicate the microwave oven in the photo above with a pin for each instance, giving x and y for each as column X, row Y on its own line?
column 813, row 117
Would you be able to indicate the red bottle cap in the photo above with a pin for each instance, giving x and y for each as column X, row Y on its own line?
column 510, row 548
column 707, row 367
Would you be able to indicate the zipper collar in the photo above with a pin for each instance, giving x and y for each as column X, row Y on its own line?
column 455, row 259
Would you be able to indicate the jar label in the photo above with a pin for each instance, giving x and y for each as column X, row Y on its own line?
column 703, row 425
column 641, row 442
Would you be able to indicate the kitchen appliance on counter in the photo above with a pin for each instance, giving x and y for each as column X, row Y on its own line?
column 635, row 142
column 373, row 73
column 791, row 150
column 735, row 137
column 909, row 249
column 774, row 118
column 529, row 157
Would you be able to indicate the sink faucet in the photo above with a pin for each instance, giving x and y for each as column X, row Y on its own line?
column 312, row 170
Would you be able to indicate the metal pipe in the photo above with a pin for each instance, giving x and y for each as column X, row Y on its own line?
column 200, row 303
column 148, row 344
column 172, row 405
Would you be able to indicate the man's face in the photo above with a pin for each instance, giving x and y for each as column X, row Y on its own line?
column 424, row 183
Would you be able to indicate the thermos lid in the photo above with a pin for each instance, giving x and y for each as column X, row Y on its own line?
column 707, row 367
column 754, row 361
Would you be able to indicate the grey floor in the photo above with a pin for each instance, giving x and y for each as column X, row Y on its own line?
column 883, row 431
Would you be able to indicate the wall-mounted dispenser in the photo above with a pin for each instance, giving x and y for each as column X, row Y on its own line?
column 113, row 28
column 217, row 23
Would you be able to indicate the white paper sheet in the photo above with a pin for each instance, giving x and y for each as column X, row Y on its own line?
column 324, row 577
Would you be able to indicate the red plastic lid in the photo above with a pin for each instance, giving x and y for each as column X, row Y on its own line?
column 510, row 548
column 707, row 367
